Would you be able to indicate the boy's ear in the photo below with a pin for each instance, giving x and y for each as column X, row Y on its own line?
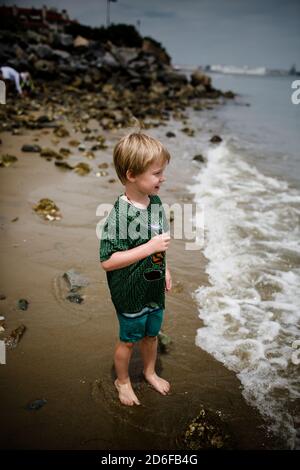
column 130, row 176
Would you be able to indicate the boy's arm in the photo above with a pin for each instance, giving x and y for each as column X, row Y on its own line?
column 121, row 259
column 168, row 279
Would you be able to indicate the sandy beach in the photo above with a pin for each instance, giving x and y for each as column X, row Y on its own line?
column 66, row 354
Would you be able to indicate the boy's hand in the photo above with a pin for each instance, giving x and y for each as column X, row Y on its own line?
column 159, row 243
column 168, row 285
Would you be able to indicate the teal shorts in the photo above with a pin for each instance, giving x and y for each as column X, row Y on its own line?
column 145, row 323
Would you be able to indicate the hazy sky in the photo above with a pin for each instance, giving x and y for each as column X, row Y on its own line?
column 200, row 32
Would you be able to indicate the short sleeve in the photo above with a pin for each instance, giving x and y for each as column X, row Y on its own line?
column 107, row 246
column 113, row 236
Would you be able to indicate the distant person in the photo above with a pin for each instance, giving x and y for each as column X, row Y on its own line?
column 21, row 80
column 135, row 264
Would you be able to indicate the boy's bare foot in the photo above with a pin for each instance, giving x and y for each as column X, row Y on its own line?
column 126, row 393
column 161, row 385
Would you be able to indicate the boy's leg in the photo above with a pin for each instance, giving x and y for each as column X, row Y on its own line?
column 148, row 346
column 123, row 352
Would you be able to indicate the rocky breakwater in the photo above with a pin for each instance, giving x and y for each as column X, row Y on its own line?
column 107, row 74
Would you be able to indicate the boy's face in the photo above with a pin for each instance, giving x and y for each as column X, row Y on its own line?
column 150, row 181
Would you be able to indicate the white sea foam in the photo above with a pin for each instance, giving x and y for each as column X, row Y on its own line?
column 251, row 310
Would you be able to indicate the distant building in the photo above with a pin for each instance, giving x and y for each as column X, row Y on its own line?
column 37, row 17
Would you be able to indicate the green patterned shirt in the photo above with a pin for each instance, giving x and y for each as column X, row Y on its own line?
column 142, row 283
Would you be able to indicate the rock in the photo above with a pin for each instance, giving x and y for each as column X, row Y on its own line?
column 172, row 78
column 58, row 54
column 75, row 280
column 47, row 209
column 207, row 431
column 36, row 404
column 31, row 148
column 216, row 139
column 44, row 119
column 81, row 147
column 14, row 338
column 42, row 51
column 108, row 60
column 103, row 165
column 7, row 160
column 154, row 48
column 199, row 158
column 61, row 132
column 229, row 94
column 188, row 131
column 45, row 67
column 89, row 154
column 23, row 304
column 47, row 152
column 74, row 143
column 62, row 40
column 82, row 169
column 65, row 152
column 2, row 297
column 80, row 41
column 63, row 165
column 199, row 78
column 75, row 298
column 170, row 134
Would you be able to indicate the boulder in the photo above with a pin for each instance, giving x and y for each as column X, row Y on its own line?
column 80, row 41
column 199, row 78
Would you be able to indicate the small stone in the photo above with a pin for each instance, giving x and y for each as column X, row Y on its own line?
column 75, row 298
column 48, row 152
column 81, row 147
column 47, row 209
column 63, row 165
column 23, row 304
column 216, row 139
column 31, row 148
column 82, row 169
column 36, row 404
column 75, row 280
column 7, row 160
column 15, row 337
column 65, row 152
column 61, row 132
column 199, row 158
column 188, row 131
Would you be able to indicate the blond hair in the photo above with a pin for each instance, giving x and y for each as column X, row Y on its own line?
column 136, row 152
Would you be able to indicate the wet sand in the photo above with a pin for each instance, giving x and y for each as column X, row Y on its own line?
column 66, row 354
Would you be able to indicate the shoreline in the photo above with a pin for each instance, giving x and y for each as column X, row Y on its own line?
column 66, row 354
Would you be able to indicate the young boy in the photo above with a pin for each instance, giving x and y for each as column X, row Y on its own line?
column 133, row 254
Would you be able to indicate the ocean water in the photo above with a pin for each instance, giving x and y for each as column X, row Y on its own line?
column 250, row 193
